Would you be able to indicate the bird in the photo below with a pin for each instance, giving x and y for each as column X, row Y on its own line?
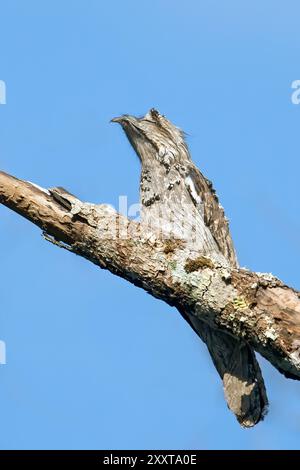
column 177, row 199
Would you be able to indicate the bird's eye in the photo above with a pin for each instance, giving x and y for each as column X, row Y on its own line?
column 154, row 113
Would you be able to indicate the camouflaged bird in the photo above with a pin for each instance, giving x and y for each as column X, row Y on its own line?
column 177, row 200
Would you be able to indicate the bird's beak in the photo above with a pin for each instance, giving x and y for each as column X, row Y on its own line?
column 118, row 119
column 125, row 118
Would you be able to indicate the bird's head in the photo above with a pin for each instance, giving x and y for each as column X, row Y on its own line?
column 153, row 137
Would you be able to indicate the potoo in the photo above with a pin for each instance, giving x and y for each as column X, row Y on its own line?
column 178, row 202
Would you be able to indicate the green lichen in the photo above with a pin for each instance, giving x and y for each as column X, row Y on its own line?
column 240, row 303
column 173, row 265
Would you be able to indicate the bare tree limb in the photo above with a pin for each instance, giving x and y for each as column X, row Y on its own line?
column 256, row 307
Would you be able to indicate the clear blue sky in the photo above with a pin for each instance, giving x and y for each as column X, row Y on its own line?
column 92, row 361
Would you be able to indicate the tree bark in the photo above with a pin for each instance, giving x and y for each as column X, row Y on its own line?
column 255, row 307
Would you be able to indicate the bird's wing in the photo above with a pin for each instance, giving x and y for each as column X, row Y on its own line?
column 204, row 197
column 237, row 366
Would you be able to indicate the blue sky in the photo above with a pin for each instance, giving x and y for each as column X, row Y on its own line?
column 92, row 361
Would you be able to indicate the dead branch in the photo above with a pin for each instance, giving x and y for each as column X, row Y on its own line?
column 255, row 307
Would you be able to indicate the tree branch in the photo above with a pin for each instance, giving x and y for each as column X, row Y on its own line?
column 255, row 307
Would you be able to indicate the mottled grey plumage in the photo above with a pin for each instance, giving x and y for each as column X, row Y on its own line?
column 176, row 199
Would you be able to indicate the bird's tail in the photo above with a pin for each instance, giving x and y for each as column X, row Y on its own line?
column 236, row 364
